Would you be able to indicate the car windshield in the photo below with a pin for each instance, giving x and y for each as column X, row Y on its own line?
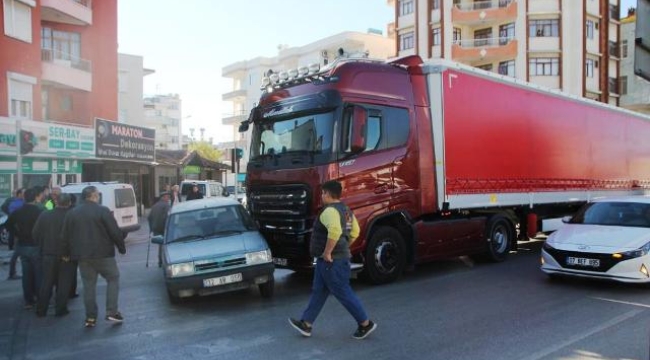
column 614, row 214
column 208, row 222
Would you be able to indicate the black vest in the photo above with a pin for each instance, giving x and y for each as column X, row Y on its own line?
column 319, row 234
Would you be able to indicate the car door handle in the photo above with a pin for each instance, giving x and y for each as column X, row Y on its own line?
column 380, row 189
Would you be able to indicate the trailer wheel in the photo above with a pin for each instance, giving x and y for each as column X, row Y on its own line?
column 385, row 256
column 499, row 236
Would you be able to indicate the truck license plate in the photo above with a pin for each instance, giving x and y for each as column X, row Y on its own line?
column 222, row 280
column 280, row 261
column 583, row 262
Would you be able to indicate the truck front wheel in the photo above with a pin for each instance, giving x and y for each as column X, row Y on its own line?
column 499, row 233
column 385, row 256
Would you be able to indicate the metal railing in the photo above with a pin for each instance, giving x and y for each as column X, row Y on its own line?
column 483, row 5
column 614, row 12
column 489, row 42
column 614, row 49
column 85, row 3
column 62, row 58
column 613, row 86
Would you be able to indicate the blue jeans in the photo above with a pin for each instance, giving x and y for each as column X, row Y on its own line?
column 333, row 278
column 30, row 260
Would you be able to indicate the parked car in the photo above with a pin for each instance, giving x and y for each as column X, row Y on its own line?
column 213, row 246
column 606, row 239
column 208, row 188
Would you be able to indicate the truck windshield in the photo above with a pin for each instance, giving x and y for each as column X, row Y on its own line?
column 311, row 134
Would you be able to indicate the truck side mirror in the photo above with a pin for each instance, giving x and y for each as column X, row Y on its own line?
column 243, row 127
column 359, row 120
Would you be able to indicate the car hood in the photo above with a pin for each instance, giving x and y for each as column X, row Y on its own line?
column 237, row 244
column 599, row 238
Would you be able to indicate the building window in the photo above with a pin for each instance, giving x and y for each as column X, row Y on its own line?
column 590, row 64
column 436, row 37
column 590, row 29
column 507, row 68
column 18, row 20
column 623, row 85
column 407, row 41
column 544, row 28
column 435, row 4
column 482, row 36
column 624, row 48
column 66, row 103
column 406, row 7
column 486, row 67
column 506, row 33
column 544, row 66
column 63, row 45
column 20, row 95
column 457, row 35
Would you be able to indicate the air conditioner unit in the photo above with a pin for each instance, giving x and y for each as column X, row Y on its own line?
column 323, row 53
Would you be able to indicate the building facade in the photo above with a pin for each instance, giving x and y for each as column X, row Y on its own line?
column 247, row 75
column 58, row 66
column 163, row 113
column 635, row 91
column 571, row 45
column 130, row 88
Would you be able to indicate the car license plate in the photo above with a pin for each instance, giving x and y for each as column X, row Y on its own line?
column 280, row 261
column 583, row 262
column 222, row 280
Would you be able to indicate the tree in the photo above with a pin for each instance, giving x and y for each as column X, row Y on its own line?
column 206, row 150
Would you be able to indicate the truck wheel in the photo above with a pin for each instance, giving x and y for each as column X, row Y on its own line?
column 385, row 256
column 267, row 289
column 499, row 235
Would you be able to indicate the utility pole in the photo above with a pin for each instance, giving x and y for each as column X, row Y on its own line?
column 19, row 156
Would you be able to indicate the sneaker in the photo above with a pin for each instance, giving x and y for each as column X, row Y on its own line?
column 90, row 322
column 363, row 331
column 301, row 326
column 117, row 317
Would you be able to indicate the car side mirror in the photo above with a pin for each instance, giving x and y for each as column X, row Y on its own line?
column 158, row 239
column 567, row 219
column 359, row 120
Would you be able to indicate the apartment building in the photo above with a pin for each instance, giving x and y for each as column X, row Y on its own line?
column 163, row 113
column 635, row 91
column 58, row 66
column 572, row 45
column 130, row 102
column 247, row 75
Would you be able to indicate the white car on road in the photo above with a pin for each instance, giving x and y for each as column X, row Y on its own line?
column 606, row 239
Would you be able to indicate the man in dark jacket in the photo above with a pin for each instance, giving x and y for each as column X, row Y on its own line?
column 91, row 234
column 21, row 223
column 157, row 219
column 57, row 268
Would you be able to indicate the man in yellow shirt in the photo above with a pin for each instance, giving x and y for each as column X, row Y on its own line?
column 334, row 230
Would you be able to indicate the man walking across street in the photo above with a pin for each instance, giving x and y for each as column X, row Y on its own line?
column 157, row 219
column 10, row 205
column 58, row 270
column 91, row 234
column 335, row 229
column 21, row 223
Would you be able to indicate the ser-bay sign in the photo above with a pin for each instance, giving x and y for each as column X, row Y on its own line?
column 51, row 140
column 124, row 142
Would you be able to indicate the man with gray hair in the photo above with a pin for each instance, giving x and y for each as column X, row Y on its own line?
column 58, row 270
column 91, row 234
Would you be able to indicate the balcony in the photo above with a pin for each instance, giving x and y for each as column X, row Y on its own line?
column 613, row 86
column 614, row 13
column 484, row 12
column 614, row 50
column 73, row 12
column 235, row 95
column 65, row 70
column 485, row 50
column 234, row 119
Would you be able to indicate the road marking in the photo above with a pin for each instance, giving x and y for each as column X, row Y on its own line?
column 623, row 302
column 615, row 321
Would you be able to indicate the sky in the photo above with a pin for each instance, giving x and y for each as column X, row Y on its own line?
column 188, row 45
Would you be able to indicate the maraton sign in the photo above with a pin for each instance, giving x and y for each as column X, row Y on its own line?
column 124, row 142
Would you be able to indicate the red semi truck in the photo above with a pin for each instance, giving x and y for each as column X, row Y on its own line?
column 436, row 159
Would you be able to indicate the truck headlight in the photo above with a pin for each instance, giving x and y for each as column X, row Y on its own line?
column 182, row 269
column 259, row 257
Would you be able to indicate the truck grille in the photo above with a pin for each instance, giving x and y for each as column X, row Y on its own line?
column 282, row 208
column 211, row 264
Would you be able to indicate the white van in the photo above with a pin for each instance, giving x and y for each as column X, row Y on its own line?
column 209, row 188
column 119, row 198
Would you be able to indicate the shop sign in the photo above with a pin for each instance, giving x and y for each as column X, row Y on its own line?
column 191, row 169
column 41, row 166
column 124, row 142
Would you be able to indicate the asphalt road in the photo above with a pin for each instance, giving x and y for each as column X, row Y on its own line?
column 445, row 310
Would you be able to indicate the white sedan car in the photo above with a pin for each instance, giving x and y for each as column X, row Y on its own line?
column 606, row 239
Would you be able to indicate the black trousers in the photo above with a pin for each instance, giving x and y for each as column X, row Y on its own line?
column 59, row 273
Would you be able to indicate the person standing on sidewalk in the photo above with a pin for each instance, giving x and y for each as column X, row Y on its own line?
column 90, row 235
column 335, row 229
column 9, row 206
column 58, row 270
column 21, row 223
column 158, row 218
